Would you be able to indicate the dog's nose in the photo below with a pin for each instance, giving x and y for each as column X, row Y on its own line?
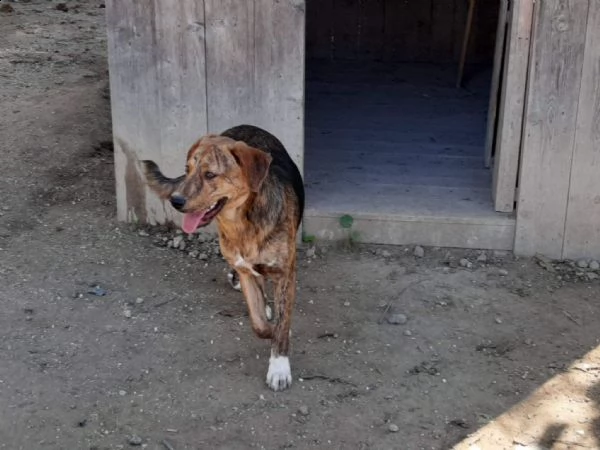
column 178, row 202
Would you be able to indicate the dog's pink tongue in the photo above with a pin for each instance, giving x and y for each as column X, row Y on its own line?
column 192, row 221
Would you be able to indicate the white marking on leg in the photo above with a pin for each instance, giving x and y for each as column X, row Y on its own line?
column 279, row 376
column 269, row 312
column 242, row 263
column 234, row 284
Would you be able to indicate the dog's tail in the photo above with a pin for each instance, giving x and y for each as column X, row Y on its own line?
column 162, row 185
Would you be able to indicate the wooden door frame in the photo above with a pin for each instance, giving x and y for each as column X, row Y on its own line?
column 507, row 102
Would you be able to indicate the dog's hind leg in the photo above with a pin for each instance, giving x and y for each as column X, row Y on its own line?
column 279, row 376
column 253, row 293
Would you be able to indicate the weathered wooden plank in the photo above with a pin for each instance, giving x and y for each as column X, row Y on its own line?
column 490, row 136
column 413, row 229
column 158, row 94
column 230, row 63
column 280, row 59
column 550, row 124
column 512, row 105
column 255, row 73
column 582, row 234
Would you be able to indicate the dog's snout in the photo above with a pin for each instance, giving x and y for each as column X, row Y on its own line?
column 178, row 201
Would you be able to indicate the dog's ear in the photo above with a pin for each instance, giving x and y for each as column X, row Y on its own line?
column 163, row 186
column 254, row 163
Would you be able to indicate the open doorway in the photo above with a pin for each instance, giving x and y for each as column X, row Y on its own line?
column 388, row 133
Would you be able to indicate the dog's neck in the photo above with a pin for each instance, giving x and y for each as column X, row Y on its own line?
column 233, row 222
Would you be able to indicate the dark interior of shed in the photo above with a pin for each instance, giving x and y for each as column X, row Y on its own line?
column 387, row 129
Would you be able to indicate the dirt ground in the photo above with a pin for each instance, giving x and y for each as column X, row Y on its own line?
column 110, row 338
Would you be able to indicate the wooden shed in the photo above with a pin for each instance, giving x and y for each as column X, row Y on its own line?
column 463, row 123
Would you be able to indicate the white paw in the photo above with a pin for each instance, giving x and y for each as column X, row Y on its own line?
column 234, row 280
column 269, row 312
column 279, row 376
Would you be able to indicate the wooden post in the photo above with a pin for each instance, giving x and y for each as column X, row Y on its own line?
column 512, row 106
column 582, row 230
column 550, row 124
column 490, row 135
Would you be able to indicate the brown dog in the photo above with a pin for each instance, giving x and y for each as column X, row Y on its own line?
column 245, row 179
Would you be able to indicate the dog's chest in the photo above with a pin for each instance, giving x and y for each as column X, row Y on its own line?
column 254, row 262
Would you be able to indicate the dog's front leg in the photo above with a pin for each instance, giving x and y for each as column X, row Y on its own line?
column 253, row 293
column 279, row 376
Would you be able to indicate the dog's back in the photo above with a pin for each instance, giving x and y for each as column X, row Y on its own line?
column 282, row 167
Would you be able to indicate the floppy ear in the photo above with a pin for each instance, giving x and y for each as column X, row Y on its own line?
column 254, row 163
column 160, row 184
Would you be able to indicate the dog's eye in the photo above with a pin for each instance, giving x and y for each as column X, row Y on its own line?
column 209, row 175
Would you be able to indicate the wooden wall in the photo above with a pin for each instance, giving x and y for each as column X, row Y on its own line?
column 399, row 30
column 558, row 212
column 182, row 68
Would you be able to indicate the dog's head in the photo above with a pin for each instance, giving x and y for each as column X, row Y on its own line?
column 220, row 175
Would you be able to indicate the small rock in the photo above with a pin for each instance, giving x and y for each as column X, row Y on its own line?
column 310, row 253
column 135, row 440
column 482, row 258
column 582, row 263
column 98, row 291
column 592, row 276
column 397, row 319
column 594, row 265
column 203, row 256
column 386, row 254
column 500, row 253
column 177, row 240
column 346, row 303
column 6, row 8
column 139, row 300
column 503, row 272
column 182, row 245
column 62, row 7
column 546, row 263
column 419, row 251
column 407, row 333
column 393, row 428
column 465, row 263
column 194, row 253
column 303, row 410
column 498, row 320
column 143, row 233
column 127, row 313
column 122, row 393
column 170, row 243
